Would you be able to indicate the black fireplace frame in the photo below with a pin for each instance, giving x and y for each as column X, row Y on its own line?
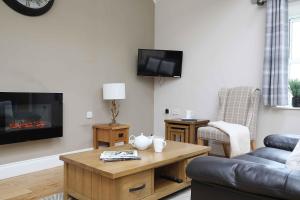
column 55, row 99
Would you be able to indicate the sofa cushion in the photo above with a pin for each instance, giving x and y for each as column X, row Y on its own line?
column 277, row 155
column 264, row 161
column 292, row 185
column 282, row 141
column 245, row 176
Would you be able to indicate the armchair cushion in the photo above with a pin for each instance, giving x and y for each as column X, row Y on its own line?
column 282, row 141
column 211, row 133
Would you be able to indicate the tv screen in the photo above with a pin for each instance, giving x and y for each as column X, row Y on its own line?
column 163, row 63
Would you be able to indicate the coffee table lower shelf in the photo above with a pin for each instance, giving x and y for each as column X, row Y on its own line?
column 165, row 188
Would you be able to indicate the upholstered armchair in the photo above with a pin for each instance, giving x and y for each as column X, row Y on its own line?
column 236, row 105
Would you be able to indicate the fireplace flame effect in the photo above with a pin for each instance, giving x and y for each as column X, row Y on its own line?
column 26, row 124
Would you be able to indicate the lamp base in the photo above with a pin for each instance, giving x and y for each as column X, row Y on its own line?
column 114, row 112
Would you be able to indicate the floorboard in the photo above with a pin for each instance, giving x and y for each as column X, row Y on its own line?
column 32, row 186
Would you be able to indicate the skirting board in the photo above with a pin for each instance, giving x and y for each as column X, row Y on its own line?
column 28, row 166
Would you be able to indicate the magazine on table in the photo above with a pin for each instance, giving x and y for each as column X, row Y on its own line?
column 119, row 155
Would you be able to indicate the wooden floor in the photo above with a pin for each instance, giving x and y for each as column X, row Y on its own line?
column 44, row 183
column 32, row 186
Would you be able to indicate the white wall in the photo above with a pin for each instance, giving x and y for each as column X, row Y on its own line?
column 223, row 44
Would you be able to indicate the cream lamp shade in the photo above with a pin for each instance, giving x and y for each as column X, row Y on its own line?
column 114, row 91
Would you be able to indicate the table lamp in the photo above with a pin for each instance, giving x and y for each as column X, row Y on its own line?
column 113, row 92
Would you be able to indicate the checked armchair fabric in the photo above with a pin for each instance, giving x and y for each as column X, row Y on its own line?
column 236, row 105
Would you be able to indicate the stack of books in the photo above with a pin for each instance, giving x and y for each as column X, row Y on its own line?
column 111, row 156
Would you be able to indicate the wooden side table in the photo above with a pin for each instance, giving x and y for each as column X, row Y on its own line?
column 183, row 131
column 110, row 134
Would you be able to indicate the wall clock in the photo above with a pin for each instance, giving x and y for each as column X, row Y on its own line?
column 30, row 7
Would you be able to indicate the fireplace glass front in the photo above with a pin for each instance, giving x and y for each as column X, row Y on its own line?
column 30, row 116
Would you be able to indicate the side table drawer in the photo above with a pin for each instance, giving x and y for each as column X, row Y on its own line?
column 137, row 186
column 119, row 135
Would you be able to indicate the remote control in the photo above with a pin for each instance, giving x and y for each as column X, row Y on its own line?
column 172, row 178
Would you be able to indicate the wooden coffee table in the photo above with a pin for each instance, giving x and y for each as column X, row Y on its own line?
column 88, row 178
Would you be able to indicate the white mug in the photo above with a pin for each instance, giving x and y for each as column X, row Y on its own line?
column 159, row 144
column 188, row 114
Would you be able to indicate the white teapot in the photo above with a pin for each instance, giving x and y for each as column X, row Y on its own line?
column 140, row 142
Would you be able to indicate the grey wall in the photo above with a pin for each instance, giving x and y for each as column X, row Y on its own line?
column 75, row 48
column 223, row 44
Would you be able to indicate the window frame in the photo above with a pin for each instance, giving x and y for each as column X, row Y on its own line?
column 292, row 19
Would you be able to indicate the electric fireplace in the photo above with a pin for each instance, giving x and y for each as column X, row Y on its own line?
column 30, row 116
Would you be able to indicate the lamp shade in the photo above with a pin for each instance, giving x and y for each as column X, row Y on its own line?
column 114, row 91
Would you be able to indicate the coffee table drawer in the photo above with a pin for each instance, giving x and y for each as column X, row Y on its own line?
column 135, row 186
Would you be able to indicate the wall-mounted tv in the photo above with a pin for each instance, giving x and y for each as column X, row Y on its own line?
column 30, row 116
column 164, row 63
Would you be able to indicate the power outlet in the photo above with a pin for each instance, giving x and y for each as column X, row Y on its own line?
column 89, row 115
column 167, row 111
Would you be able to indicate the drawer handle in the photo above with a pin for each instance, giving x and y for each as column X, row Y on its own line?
column 137, row 188
column 121, row 135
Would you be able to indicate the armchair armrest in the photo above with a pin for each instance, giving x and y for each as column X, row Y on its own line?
column 282, row 141
column 245, row 176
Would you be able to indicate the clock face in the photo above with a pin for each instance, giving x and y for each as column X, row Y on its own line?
column 30, row 7
column 34, row 3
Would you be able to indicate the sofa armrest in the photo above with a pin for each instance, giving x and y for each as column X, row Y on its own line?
column 282, row 141
column 245, row 176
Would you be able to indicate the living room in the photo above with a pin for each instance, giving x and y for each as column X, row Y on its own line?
column 76, row 47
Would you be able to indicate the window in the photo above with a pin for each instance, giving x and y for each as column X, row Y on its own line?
column 294, row 36
column 294, row 58
column 294, row 62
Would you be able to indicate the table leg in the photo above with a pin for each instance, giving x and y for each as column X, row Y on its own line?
column 95, row 142
column 66, row 195
column 193, row 134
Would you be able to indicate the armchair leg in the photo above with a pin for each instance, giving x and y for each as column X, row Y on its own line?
column 226, row 148
column 253, row 145
column 202, row 142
